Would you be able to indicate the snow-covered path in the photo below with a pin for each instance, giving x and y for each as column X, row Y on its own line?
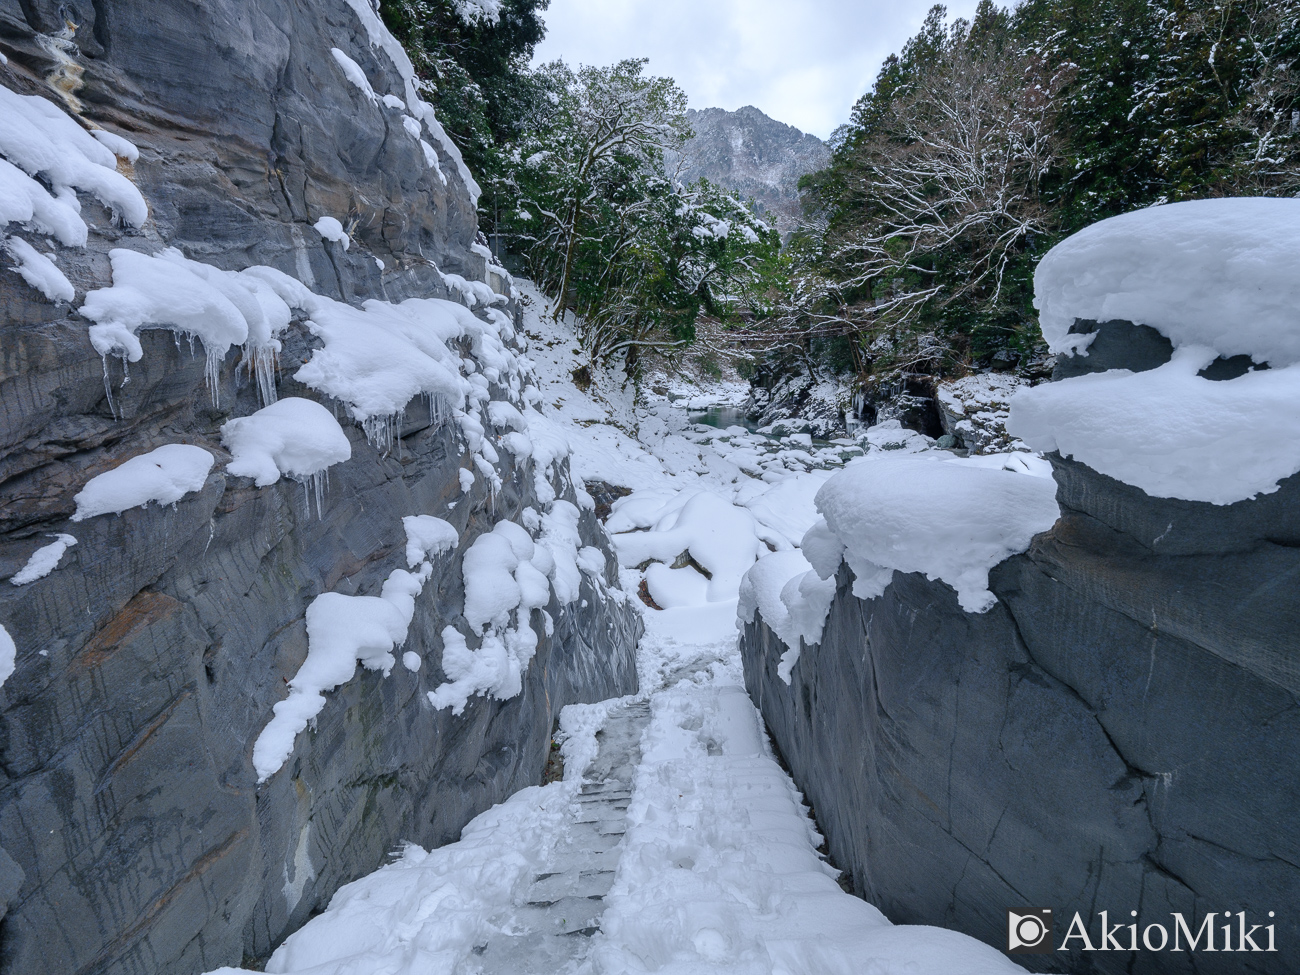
column 675, row 843
column 681, row 848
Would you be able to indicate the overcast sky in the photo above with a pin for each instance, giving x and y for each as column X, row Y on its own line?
column 803, row 62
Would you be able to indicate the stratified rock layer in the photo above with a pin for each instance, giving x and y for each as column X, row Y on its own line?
column 1118, row 733
column 135, row 838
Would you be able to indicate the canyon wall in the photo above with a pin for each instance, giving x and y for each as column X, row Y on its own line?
column 135, row 837
column 1118, row 733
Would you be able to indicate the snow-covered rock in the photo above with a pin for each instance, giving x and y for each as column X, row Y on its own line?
column 165, row 475
column 944, row 519
column 1217, row 278
column 974, row 409
column 1213, row 273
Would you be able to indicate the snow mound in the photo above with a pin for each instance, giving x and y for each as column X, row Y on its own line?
column 39, row 271
column 1215, row 273
column 168, row 290
column 721, row 538
column 341, row 630
column 379, row 357
column 118, row 146
column 329, row 227
column 507, row 576
column 43, row 561
column 25, row 201
column 41, row 139
column 952, row 522
column 427, row 536
column 164, row 475
column 293, row 436
column 792, row 598
column 352, row 71
column 1170, row 432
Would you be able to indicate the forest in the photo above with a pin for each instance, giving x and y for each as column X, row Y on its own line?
column 981, row 144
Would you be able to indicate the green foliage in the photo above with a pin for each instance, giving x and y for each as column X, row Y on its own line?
column 983, row 143
column 608, row 233
column 473, row 69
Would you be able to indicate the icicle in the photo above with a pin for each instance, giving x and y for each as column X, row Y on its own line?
column 263, row 362
column 320, row 482
column 382, row 431
column 314, row 488
column 108, row 388
column 211, row 375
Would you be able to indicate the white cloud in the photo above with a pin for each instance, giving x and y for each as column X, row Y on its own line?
column 804, row 63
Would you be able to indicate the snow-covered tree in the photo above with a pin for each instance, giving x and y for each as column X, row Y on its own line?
column 611, row 235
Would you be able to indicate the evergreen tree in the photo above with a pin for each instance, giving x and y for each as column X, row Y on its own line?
column 471, row 58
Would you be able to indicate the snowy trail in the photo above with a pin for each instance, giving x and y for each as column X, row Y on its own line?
column 683, row 849
column 676, row 843
column 549, row 929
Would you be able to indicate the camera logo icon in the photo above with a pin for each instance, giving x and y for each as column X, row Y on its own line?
column 1029, row 933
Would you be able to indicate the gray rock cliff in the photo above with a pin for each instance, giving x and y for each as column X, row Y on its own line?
column 1118, row 733
column 135, row 838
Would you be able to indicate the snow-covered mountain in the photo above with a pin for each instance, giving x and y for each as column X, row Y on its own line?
column 754, row 156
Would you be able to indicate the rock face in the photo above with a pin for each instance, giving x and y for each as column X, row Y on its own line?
column 135, row 837
column 753, row 156
column 1117, row 734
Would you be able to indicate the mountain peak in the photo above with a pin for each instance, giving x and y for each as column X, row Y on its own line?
column 754, row 156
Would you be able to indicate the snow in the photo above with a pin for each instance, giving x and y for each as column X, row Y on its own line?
column 949, row 521
column 38, row 137
column 8, row 655
column 39, row 271
column 1217, row 277
column 427, row 537
column 506, row 578
column 1214, row 273
column 292, row 436
column 341, row 630
column 561, row 541
column 793, row 599
column 43, row 561
column 167, row 290
column 978, row 407
column 352, row 71
column 719, row 536
column 164, row 475
column 491, row 590
column 23, row 200
column 1170, row 432
column 117, row 145
column 380, row 37
column 379, row 357
column 473, row 11
column 331, row 229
